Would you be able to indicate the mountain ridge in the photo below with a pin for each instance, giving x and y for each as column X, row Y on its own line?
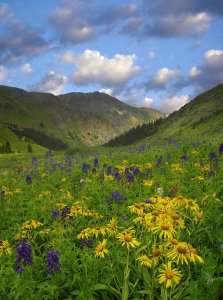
column 75, row 119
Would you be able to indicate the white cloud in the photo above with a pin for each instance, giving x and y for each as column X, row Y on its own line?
column 26, row 69
column 151, row 55
column 68, row 58
column 200, row 22
column 175, row 25
column 92, row 67
column 209, row 73
column 2, row 74
column 164, row 75
column 194, row 72
column 148, row 101
column 106, row 91
column 174, row 103
column 214, row 57
column 71, row 19
column 51, row 83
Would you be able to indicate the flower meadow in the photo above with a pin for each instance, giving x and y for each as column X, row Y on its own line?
column 135, row 223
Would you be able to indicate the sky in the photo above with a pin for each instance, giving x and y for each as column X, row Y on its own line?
column 148, row 53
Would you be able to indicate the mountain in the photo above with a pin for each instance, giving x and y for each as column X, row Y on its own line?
column 203, row 116
column 57, row 122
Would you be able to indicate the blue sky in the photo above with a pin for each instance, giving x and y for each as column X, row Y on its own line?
column 146, row 53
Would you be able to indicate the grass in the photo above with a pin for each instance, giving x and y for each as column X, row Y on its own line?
column 112, row 231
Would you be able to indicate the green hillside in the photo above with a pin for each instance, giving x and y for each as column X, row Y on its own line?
column 70, row 120
column 203, row 116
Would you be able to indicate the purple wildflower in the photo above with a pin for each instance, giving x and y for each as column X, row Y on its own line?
column 28, row 179
column 185, row 157
column 148, row 201
column 95, row 162
column 117, row 197
column 116, row 175
column 52, row 262
column 55, row 213
column 159, row 161
column 212, row 156
column 220, row 149
column 142, row 148
column 129, row 177
column 109, row 170
column 24, row 256
column 34, row 161
column 135, row 171
column 126, row 171
column 85, row 167
column 18, row 269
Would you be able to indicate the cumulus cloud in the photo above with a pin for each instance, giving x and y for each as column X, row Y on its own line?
column 148, row 101
column 162, row 78
column 26, row 69
column 174, row 103
column 209, row 73
column 18, row 40
column 2, row 72
column 107, row 91
column 51, row 83
column 194, row 72
column 93, row 67
column 214, row 58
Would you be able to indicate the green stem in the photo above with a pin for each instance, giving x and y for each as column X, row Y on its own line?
column 125, row 290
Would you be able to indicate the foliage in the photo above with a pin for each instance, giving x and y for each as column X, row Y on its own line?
column 133, row 223
column 135, row 134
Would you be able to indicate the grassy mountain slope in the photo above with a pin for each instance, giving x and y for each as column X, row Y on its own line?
column 202, row 116
column 74, row 119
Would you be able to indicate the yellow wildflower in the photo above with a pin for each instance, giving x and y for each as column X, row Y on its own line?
column 127, row 240
column 100, row 250
column 145, row 261
column 111, row 227
column 148, row 183
column 98, row 230
column 168, row 275
column 148, row 166
column 85, row 233
column 177, row 167
column 5, row 248
column 193, row 255
column 165, row 230
column 108, row 178
column 180, row 253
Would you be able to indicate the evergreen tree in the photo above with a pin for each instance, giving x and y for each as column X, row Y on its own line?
column 7, row 147
column 29, row 148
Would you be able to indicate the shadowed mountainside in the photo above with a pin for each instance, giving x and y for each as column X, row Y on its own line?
column 70, row 120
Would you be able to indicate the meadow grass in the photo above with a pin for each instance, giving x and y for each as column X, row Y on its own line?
column 134, row 223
